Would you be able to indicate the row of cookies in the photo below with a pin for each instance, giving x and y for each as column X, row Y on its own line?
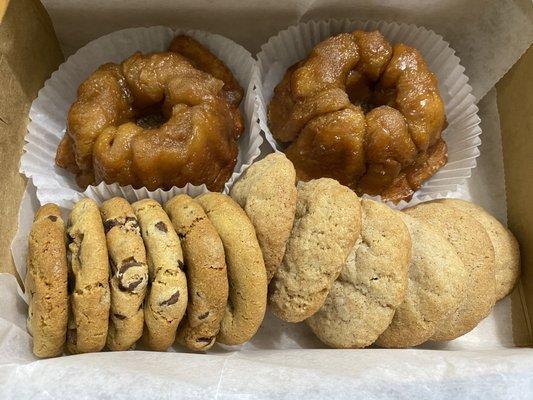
column 192, row 269
column 358, row 272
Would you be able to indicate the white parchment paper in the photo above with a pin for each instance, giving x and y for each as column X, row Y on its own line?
column 285, row 361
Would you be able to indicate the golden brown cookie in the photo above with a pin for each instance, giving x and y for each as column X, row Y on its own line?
column 372, row 284
column 129, row 274
column 474, row 248
column 167, row 298
column 436, row 287
column 506, row 248
column 89, row 273
column 326, row 227
column 246, row 269
column 267, row 193
column 46, row 282
column 207, row 278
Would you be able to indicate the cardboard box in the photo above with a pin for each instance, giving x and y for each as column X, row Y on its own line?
column 30, row 52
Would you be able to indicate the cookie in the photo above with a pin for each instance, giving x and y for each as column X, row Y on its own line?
column 436, row 287
column 372, row 284
column 129, row 274
column 46, row 282
column 167, row 298
column 326, row 226
column 89, row 279
column 474, row 248
column 247, row 279
column 207, row 278
column 506, row 248
column 267, row 193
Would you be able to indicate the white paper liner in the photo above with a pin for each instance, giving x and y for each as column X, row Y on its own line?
column 48, row 112
column 461, row 135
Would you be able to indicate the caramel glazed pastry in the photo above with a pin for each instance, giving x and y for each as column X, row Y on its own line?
column 129, row 277
column 156, row 120
column 363, row 112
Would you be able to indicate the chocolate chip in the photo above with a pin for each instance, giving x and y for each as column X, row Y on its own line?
column 204, row 315
column 52, row 218
column 119, row 316
column 113, row 265
column 131, row 286
column 127, row 264
column 173, row 299
column 111, row 223
column 161, row 226
column 204, row 339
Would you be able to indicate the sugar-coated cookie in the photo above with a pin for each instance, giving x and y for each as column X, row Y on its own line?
column 436, row 287
column 506, row 248
column 474, row 247
column 372, row 284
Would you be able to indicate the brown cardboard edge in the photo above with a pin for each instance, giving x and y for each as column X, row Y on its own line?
column 515, row 105
column 29, row 53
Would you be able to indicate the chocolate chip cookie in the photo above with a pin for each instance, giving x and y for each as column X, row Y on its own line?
column 129, row 273
column 371, row 285
column 267, row 193
column 246, row 269
column 46, row 282
column 167, row 298
column 207, row 279
column 436, row 287
column 506, row 248
column 88, row 279
column 474, row 248
column 326, row 227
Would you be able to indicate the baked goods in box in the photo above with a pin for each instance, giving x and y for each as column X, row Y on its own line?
column 167, row 299
column 436, row 287
column 267, row 192
column 129, row 274
column 88, row 279
column 46, row 282
column 363, row 112
column 372, row 284
column 472, row 243
column 506, row 249
column 247, row 279
column 155, row 121
column 206, row 271
column 326, row 227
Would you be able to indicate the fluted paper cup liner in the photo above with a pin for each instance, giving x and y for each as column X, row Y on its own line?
column 461, row 135
column 48, row 112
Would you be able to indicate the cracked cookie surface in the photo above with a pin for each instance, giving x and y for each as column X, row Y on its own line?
column 207, row 279
column 89, row 279
column 129, row 274
column 436, row 287
column 46, row 282
column 326, row 227
column 371, row 285
column 267, row 193
column 247, row 278
column 167, row 298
